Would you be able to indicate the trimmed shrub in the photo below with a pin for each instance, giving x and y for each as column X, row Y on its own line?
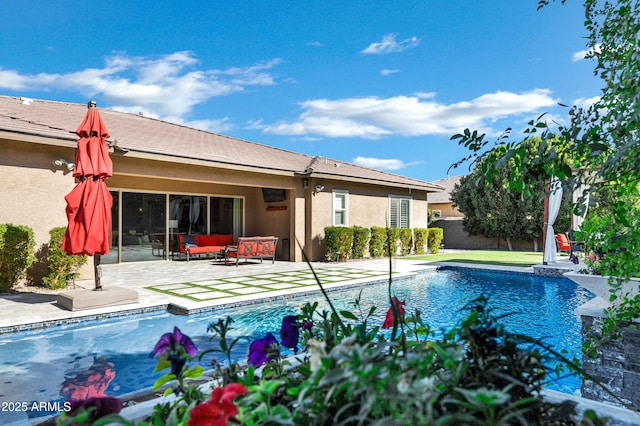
column 61, row 267
column 17, row 246
column 420, row 239
column 338, row 241
column 377, row 242
column 434, row 240
column 393, row 241
column 405, row 241
column 360, row 242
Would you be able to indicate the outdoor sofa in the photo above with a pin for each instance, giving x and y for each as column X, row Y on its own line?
column 252, row 248
column 215, row 244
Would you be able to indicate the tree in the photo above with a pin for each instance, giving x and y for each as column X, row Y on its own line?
column 599, row 147
column 494, row 210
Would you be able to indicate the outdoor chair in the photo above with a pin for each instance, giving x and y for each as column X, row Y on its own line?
column 562, row 242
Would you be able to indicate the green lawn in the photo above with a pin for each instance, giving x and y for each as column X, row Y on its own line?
column 492, row 257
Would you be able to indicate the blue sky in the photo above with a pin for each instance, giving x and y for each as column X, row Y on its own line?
column 383, row 84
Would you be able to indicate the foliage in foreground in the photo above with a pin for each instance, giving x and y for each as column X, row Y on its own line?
column 355, row 372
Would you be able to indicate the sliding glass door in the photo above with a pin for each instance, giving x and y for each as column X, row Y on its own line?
column 147, row 226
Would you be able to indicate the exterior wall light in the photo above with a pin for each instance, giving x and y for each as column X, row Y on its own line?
column 60, row 162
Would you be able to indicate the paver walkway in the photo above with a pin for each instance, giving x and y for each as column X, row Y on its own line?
column 262, row 283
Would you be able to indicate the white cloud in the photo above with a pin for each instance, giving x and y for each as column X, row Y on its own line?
column 390, row 45
column 388, row 72
column 166, row 86
column 389, row 164
column 418, row 115
column 586, row 102
column 585, row 54
column 578, row 56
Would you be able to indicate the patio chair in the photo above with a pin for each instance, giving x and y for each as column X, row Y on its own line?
column 562, row 242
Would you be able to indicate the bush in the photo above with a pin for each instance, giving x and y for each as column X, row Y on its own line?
column 360, row 242
column 393, row 241
column 61, row 267
column 378, row 241
column 420, row 239
column 434, row 240
column 405, row 241
column 338, row 241
column 17, row 246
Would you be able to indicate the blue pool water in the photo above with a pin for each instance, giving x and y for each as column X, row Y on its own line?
column 111, row 356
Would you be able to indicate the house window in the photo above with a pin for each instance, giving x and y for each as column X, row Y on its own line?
column 399, row 212
column 340, row 199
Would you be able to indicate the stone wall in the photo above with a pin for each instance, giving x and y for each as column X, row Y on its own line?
column 617, row 365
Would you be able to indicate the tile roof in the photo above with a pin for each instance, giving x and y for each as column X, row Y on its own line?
column 445, row 196
column 143, row 135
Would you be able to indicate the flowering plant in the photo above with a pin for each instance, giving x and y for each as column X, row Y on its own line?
column 353, row 371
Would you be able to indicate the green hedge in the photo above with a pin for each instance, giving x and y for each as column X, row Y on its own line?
column 393, row 240
column 338, row 241
column 17, row 246
column 405, row 241
column 360, row 242
column 377, row 242
column 420, row 236
column 61, row 267
column 434, row 240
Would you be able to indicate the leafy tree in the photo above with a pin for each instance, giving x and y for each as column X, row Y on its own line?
column 493, row 209
column 599, row 147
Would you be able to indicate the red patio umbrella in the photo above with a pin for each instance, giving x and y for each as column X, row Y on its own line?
column 89, row 203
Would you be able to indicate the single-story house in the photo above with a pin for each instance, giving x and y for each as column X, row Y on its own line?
column 440, row 202
column 170, row 179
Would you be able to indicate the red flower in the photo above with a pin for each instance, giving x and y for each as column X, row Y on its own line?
column 388, row 321
column 217, row 410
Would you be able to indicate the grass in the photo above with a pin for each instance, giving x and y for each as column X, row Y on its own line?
column 491, row 257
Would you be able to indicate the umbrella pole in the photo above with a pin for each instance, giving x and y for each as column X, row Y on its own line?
column 97, row 271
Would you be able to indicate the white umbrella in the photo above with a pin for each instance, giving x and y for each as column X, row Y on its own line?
column 555, row 198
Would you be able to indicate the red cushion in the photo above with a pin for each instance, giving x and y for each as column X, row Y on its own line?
column 225, row 239
column 208, row 240
column 563, row 242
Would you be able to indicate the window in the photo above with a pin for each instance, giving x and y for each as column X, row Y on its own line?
column 399, row 212
column 226, row 216
column 340, row 208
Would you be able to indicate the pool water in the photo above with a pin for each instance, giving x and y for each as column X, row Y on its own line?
column 111, row 357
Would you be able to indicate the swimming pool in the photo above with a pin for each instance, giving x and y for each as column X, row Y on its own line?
column 111, row 356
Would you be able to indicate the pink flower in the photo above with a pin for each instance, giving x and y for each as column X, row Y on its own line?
column 217, row 410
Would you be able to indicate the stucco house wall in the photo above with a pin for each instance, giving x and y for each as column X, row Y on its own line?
column 184, row 161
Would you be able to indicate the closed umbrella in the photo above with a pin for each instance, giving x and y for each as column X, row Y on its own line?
column 89, row 203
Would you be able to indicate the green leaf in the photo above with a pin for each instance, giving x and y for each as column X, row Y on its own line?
column 193, row 373
column 163, row 380
column 162, row 364
column 348, row 315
